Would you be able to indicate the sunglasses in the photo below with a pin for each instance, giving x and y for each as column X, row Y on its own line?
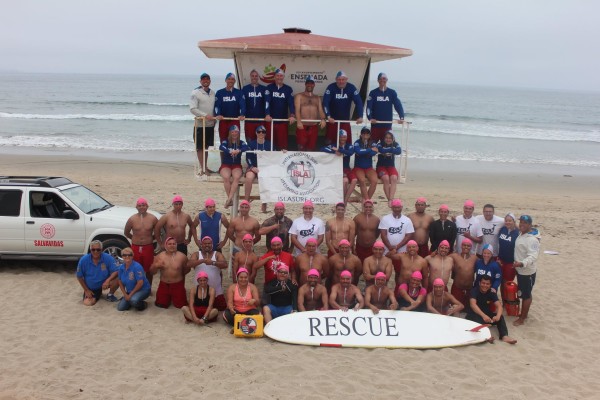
column 126, row 255
column 96, row 250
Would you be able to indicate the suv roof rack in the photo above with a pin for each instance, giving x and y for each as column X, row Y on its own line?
column 43, row 181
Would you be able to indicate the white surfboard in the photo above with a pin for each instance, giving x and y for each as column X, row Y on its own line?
column 362, row 328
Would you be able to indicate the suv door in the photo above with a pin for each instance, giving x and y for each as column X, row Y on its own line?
column 12, row 223
column 46, row 228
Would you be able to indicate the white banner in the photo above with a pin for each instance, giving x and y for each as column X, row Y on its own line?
column 295, row 177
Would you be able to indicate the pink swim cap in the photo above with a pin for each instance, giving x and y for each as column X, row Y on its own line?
column 308, row 203
column 346, row 274
column 417, row 275
column 412, row 243
column 205, row 238
column 438, row 282
column 209, row 202
column 244, row 203
column 344, row 242
column 241, row 270
column 169, row 238
column 311, row 240
column 469, row 203
column 444, row 243
column 279, row 204
column 421, row 200
column 314, row 272
column 444, row 207
column 380, row 275
column 283, row 267
column 201, row 274
column 367, row 201
column 467, row 241
column 276, row 239
column 247, row 236
column 177, row 199
column 379, row 244
column 396, row 203
column 140, row 201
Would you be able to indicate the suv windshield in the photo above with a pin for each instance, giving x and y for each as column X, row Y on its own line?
column 86, row 200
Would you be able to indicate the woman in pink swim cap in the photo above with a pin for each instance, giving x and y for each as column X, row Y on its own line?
column 200, row 309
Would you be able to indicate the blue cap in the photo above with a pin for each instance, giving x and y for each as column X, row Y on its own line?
column 230, row 75
column 309, row 78
column 343, row 132
column 261, row 128
column 234, row 128
column 526, row 218
column 341, row 74
column 279, row 71
column 204, row 75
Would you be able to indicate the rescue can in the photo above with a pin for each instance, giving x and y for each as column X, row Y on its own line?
column 249, row 326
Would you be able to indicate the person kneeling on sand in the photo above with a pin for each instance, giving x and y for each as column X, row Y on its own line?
column 201, row 302
column 439, row 301
column 97, row 271
column 379, row 296
column 283, row 295
column 345, row 295
column 242, row 298
column 133, row 283
column 481, row 298
column 312, row 295
column 411, row 296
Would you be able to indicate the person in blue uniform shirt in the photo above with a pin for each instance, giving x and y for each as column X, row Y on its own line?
column 255, row 97
column 280, row 105
column 337, row 104
column 380, row 105
column 229, row 103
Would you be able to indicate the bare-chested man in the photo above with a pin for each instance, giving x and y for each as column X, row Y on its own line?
column 379, row 296
column 311, row 259
column 308, row 107
column 405, row 264
column 241, row 225
column 440, row 264
column 312, row 295
column 367, row 230
column 439, row 301
column 345, row 295
column 421, row 222
column 140, row 230
column 246, row 257
column 464, row 272
column 173, row 266
column 174, row 223
column 344, row 260
column 377, row 263
column 338, row 228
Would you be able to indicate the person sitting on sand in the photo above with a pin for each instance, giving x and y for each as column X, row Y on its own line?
column 242, row 298
column 133, row 283
column 212, row 262
column 283, row 295
column 200, row 309
column 411, row 296
column 439, row 301
column 97, row 271
column 379, row 296
column 312, row 295
column 345, row 295
column 231, row 164
column 481, row 298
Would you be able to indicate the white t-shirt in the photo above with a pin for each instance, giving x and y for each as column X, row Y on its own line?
column 213, row 272
column 396, row 228
column 304, row 230
column 463, row 225
column 490, row 230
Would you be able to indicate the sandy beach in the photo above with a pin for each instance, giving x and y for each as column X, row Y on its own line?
column 55, row 348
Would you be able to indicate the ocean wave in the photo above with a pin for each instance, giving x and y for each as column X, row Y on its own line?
column 125, row 103
column 108, row 117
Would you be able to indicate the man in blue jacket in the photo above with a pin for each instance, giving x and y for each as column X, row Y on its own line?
column 229, row 103
column 280, row 100
column 380, row 105
column 337, row 103
column 255, row 97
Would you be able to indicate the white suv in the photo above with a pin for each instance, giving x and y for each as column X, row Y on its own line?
column 54, row 218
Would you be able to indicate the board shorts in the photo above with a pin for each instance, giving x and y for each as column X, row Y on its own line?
column 279, row 311
column 307, row 137
column 220, row 303
column 526, row 283
column 508, row 271
column 332, row 132
column 143, row 254
column 182, row 248
column 391, row 171
column 363, row 252
column 224, row 128
column 280, row 131
column 349, row 173
column 168, row 292
column 210, row 137
column 230, row 166
column 462, row 295
column 423, row 250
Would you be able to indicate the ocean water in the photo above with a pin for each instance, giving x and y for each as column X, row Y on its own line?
column 128, row 116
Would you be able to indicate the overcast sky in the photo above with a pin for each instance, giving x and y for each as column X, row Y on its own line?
column 535, row 43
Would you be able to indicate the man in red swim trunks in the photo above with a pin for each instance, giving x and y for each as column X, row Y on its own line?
column 140, row 230
column 173, row 268
column 367, row 230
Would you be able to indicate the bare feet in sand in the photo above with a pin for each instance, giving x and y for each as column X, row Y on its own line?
column 518, row 322
column 509, row 340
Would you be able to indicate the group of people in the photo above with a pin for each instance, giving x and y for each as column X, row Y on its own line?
column 260, row 106
column 422, row 254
